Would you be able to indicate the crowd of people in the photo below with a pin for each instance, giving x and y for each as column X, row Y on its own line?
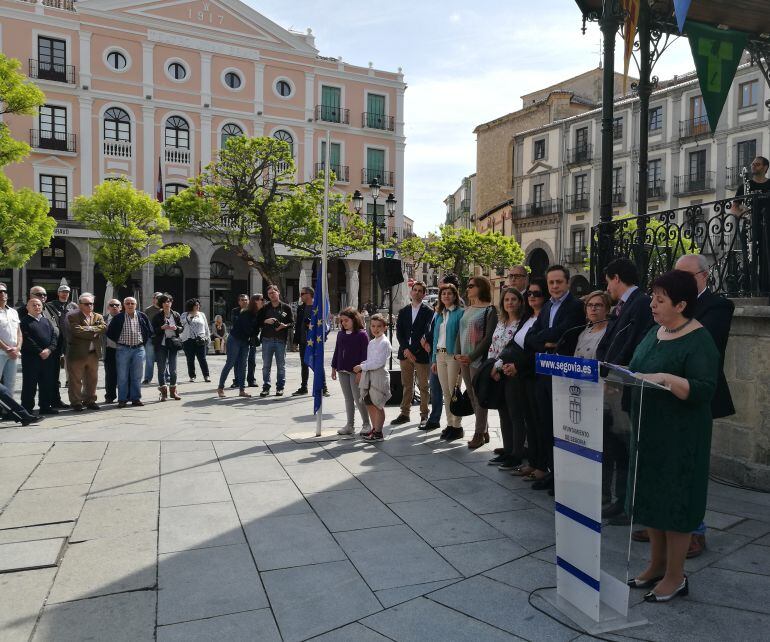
column 676, row 336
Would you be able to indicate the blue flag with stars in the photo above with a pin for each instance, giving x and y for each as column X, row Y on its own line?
column 316, row 337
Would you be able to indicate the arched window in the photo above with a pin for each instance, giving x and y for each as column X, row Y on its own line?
column 117, row 124
column 230, row 129
column 172, row 189
column 286, row 137
column 177, row 133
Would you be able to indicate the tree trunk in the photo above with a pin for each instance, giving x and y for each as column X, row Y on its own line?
column 268, row 274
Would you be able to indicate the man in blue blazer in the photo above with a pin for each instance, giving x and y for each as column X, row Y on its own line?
column 130, row 330
column 556, row 330
column 412, row 324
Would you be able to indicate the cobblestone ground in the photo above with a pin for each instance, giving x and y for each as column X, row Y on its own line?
column 209, row 519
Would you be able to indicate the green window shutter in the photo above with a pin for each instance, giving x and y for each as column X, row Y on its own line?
column 375, row 111
column 334, row 154
column 375, row 163
column 331, row 101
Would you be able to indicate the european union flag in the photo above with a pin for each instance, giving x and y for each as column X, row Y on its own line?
column 316, row 337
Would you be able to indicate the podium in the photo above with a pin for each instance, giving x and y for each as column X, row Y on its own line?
column 585, row 405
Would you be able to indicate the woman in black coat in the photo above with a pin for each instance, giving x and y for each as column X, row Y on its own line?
column 166, row 327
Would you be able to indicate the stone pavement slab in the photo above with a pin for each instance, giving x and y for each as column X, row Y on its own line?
column 23, row 595
column 322, row 476
column 44, row 506
column 126, row 478
column 63, row 452
column 204, row 583
column 526, row 573
column 375, row 550
column 359, row 459
column 740, row 590
column 432, row 467
column 227, row 449
column 441, row 521
column 242, row 470
column 351, row 633
column 198, row 526
column 268, row 499
column 397, row 485
column 24, row 556
column 481, row 495
column 187, row 446
column 291, row 540
column 106, row 566
column 531, row 528
column 239, row 627
column 291, row 454
column 347, row 510
column 182, row 489
column 331, row 595
column 750, row 558
column 32, row 533
column 477, row 557
column 19, row 450
column 61, row 474
column 120, row 453
column 422, row 619
column 391, row 597
column 117, row 516
column 127, row 617
column 15, row 470
column 191, row 462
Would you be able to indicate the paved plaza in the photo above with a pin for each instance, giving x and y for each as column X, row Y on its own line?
column 202, row 520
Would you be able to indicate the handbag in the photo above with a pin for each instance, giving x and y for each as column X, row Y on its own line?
column 173, row 343
column 460, row 405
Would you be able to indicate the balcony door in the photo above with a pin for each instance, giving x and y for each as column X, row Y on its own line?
column 375, row 165
column 375, row 111
column 654, row 178
column 698, row 117
column 331, row 103
column 335, row 154
column 51, row 59
column 697, row 175
column 52, row 123
column 747, row 152
column 54, row 188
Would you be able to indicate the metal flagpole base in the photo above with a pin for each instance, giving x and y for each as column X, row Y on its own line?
column 609, row 619
column 309, row 436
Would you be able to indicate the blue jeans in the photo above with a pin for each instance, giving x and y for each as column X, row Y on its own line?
column 270, row 348
column 237, row 354
column 166, row 365
column 129, row 362
column 149, row 360
column 8, row 371
column 436, row 399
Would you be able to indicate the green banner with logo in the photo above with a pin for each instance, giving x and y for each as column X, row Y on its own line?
column 717, row 53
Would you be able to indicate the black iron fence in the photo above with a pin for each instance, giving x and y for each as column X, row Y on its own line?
column 47, row 70
column 580, row 154
column 51, row 139
column 330, row 114
column 341, row 172
column 733, row 236
column 373, row 120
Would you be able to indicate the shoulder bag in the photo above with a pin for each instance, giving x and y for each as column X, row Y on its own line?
column 460, row 405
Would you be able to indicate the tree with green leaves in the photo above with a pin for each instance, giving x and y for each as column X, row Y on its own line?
column 247, row 202
column 459, row 249
column 129, row 223
column 25, row 226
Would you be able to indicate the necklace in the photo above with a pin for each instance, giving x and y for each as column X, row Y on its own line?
column 677, row 329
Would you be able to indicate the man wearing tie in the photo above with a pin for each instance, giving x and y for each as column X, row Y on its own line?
column 556, row 329
column 629, row 323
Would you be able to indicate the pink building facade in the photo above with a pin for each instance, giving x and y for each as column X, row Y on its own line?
column 150, row 91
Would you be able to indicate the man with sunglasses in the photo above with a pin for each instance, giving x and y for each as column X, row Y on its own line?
column 84, row 350
column 110, row 350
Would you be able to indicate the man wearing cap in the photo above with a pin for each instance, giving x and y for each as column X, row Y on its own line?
column 84, row 349
column 61, row 307
column 149, row 350
column 10, row 340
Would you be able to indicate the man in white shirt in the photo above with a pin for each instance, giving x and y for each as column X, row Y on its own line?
column 10, row 341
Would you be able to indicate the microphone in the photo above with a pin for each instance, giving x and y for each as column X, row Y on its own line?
column 603, row 369
column 582, row 326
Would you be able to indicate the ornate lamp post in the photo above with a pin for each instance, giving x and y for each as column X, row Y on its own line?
column 358, row 204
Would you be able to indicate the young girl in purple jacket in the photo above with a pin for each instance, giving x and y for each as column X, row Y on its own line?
column 349, row 352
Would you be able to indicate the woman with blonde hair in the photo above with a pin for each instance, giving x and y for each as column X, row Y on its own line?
column 350, row 351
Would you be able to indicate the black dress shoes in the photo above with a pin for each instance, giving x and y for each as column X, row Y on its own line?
column 26, row 420
column 49, row 411
column 683, row 589
column 454, row 433
column 546, row 483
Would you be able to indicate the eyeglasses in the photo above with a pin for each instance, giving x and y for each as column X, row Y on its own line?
column 3, row 291
column 595, row 306
column 39, row 294
column 534, row 293
column 88, row 303
column 117, row 305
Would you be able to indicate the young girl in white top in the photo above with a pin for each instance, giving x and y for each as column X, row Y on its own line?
column 373, row 378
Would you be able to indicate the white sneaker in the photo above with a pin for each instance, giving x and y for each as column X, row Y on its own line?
column 365, row 430
column 346, row 430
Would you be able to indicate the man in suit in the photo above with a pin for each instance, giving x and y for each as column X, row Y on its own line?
column 60, row 308
column 629, row 322
column 556, row 329
column 40, row 338
column 15, row 411
column 412, row 324
column 84, row 349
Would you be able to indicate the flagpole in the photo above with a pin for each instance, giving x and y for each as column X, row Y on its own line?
column 324, row 271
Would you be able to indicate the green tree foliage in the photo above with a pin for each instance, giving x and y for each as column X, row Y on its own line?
column 129, row 222
column 459, row 249
column 25, row 226
column 246, row 202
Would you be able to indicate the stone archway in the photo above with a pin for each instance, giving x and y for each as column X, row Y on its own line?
column 579, row 285
column 538, row 262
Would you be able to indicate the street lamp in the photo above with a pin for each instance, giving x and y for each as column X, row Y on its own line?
column 358, row 204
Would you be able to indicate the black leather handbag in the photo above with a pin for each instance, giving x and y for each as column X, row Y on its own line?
column 460, row 405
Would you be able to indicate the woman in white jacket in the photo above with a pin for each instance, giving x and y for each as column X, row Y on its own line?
column 373, row 378
column 195, row 338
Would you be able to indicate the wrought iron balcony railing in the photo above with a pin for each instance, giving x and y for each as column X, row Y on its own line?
column 656, row 190
column 694, row 127
column 371, row 120
column 579, row 155
column 330, row 114
column 693, row 184
column 619, row 195
column 724, row 232
column 40, row 70
column 341, row 172
column 386, row 179
column 58, row 210
column 575, row 255
column 541, row 208
column 48, row 139
column 734, row 177
column 578, row 202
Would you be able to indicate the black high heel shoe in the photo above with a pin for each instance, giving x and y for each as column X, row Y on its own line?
column 683, row 589
column 643, row 584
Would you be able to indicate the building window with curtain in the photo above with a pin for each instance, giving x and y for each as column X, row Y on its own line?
column 54, row 188
column 228, row 131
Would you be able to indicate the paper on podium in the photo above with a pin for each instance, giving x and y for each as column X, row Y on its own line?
column 627, row 377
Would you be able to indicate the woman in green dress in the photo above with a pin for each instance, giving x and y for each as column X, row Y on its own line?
column 674, row 432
